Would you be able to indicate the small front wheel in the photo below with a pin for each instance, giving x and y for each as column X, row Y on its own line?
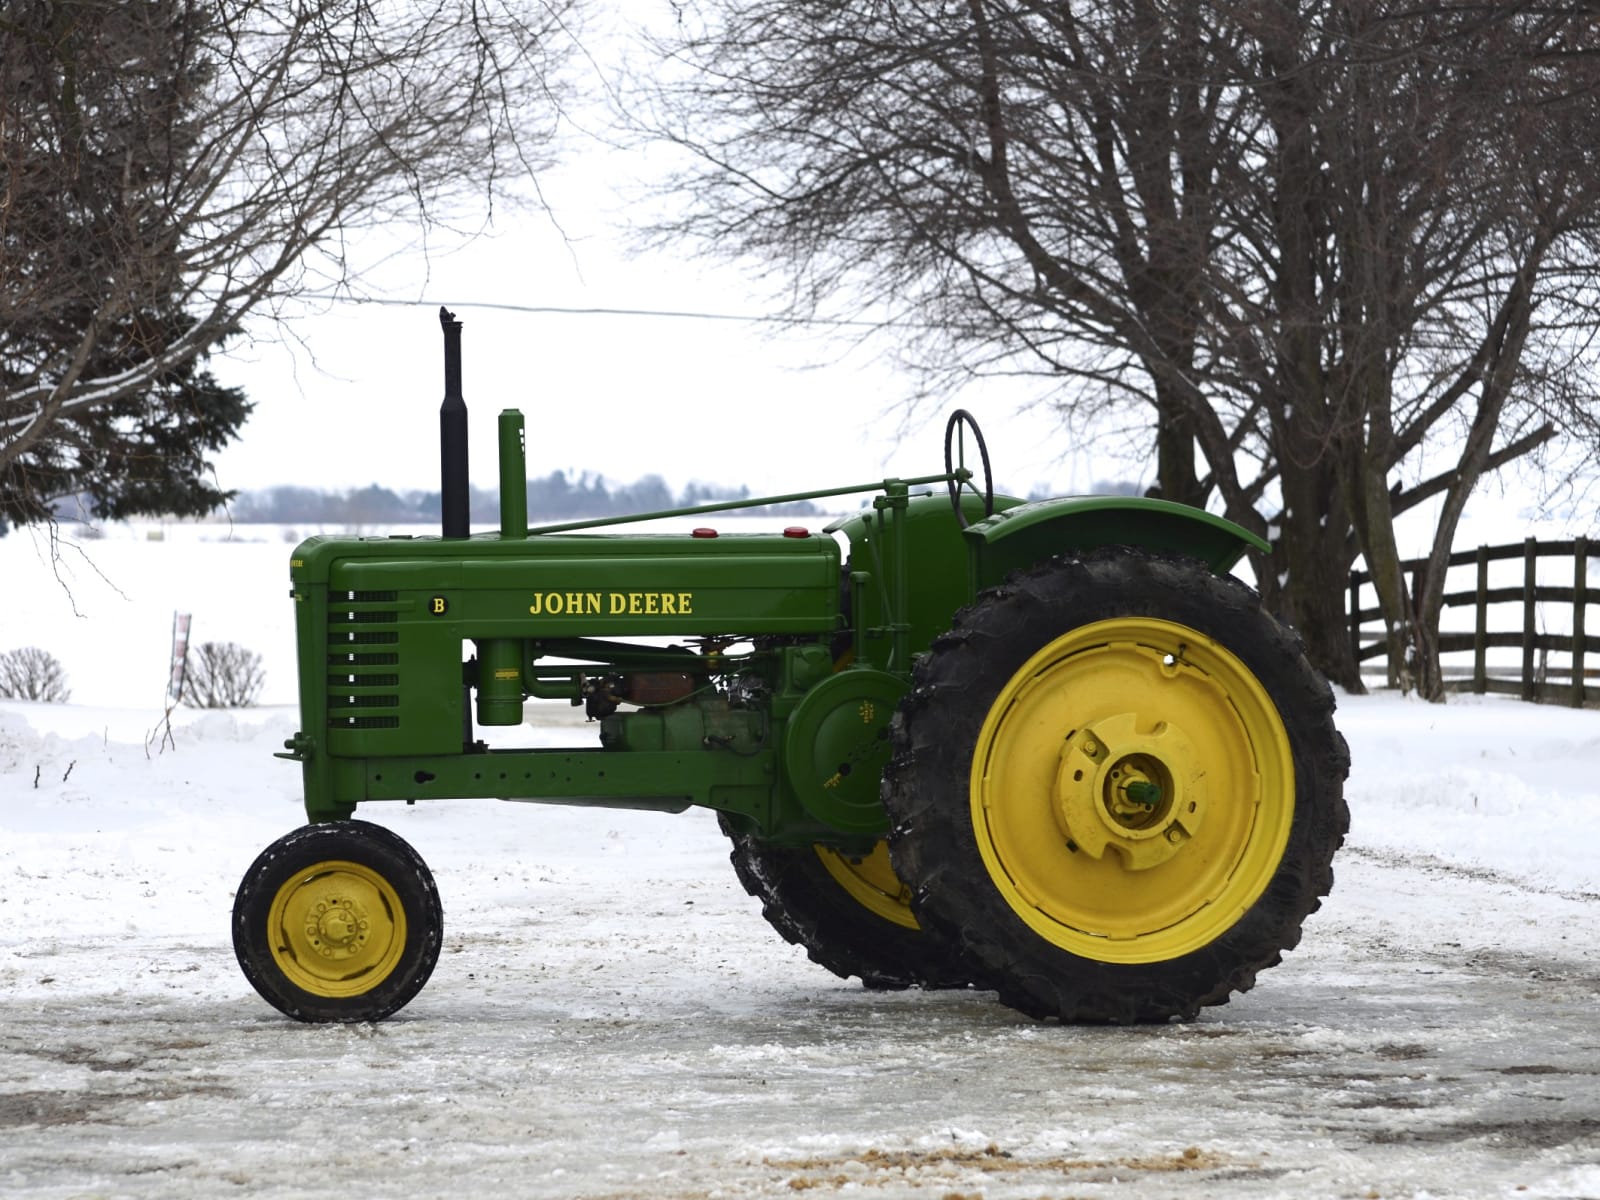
column 338, row 922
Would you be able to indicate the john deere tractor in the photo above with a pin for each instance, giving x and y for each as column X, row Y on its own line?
column 1053, row 749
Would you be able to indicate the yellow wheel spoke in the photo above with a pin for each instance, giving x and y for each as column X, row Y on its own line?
column 872, row 883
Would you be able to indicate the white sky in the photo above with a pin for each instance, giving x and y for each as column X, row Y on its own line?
column 731, row 402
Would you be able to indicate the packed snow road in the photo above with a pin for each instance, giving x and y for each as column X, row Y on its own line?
column 612, row 1018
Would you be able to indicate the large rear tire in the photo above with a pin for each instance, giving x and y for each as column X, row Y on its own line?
column 850, row 913
column 338, row 922
column 1117, row 785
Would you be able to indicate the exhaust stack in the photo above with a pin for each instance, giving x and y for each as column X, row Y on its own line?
column 454, row 496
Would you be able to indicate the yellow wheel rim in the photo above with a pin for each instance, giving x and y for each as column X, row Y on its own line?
column 1132, row 790
column 336, row 929
column 872, row 883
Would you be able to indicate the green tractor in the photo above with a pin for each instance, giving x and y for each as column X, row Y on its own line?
column 1052, row 749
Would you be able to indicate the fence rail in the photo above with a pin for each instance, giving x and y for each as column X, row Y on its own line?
column 1548, row 647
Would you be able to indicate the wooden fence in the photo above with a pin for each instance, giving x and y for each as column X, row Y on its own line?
column 1497, row 634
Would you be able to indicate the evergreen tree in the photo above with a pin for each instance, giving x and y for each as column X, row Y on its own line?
column 101, row 101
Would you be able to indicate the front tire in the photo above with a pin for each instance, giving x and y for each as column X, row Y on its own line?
column 338, row 922
column 1117, row 783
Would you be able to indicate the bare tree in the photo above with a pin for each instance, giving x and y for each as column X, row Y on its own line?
column 1419, row 207
column 1301, row 246
column 168, row 167
column 30, row 673
column 222, row 675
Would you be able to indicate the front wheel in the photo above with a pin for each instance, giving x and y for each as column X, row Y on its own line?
column 338, row 922
column 1117, row 781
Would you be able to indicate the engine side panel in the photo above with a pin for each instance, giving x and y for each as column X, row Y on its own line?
column 382, row 621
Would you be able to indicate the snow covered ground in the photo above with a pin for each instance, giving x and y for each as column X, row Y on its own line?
column 611, row 1017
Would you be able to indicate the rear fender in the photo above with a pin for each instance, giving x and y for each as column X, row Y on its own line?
column 1030, row 533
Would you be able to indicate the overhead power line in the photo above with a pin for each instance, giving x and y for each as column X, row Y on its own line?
column 601, row 311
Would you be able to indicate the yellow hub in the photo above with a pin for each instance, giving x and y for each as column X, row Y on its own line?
column 872, row 883
column 1132, row 790
column 1135, row 793
column 337, row 929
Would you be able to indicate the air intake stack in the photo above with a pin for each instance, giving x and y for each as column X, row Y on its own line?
column 454, row 497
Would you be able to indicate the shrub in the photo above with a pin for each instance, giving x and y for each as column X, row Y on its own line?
column 222, row 675
column 33, row 674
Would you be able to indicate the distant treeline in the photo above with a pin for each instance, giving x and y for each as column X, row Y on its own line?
column 556, row 497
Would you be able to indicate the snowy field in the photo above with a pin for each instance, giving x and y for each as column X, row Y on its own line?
column 611, row 1017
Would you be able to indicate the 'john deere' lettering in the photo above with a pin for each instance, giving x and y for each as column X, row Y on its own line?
column 564, row 604
column 615, row 604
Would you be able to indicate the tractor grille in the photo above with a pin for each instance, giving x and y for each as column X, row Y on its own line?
column 360, row 673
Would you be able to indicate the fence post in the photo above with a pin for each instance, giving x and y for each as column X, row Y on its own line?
column 1580, row 601
column 1480, row 630
column 1530, row 581
column 1355, row 620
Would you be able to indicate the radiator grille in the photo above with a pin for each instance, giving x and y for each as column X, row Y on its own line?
column 360, row 679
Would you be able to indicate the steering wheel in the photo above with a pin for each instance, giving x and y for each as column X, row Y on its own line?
column 955, row 460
